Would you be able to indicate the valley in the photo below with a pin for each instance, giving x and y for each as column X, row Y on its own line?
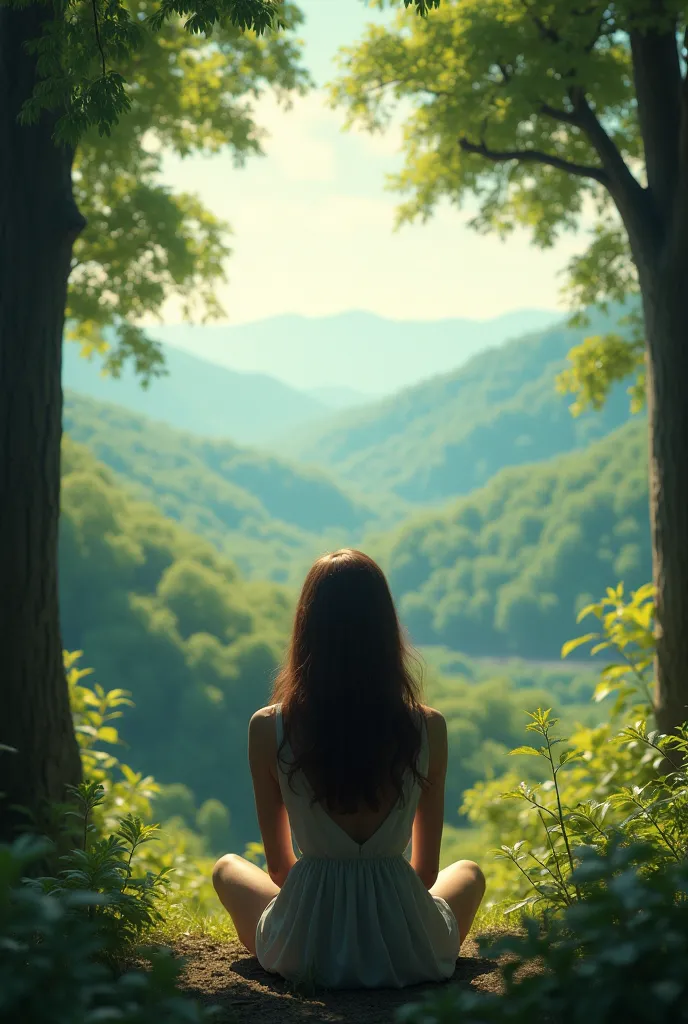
column 181, row 555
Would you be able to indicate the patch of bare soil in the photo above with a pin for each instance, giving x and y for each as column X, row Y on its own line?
column 223, row 974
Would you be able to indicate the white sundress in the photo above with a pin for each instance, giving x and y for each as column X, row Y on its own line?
column 355, row 915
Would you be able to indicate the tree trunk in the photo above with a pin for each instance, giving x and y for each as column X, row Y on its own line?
column 666, row 325
column 39, row 222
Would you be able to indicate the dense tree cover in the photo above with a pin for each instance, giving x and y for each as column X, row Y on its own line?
column 161, row 613
column 451, row 434
column 271, row 517
column 506, row 569
column 540, row 115
column 483, row 704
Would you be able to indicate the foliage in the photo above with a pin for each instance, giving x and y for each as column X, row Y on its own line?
column 620, row 954
column 271, row 517
column 119, row 803
column 504, row 570
column 83, row 53
column 453, row 433
column 148, row 243
column 533, row 114
column 628, row 631
column 597, row 363
column 52, row 958
column 602, row 846
column 125, row 902
column 194, row 691
column 483, row 705
column 618, row 782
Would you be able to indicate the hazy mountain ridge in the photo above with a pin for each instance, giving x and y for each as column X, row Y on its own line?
column 355, row 350
column 200, row 397
column 452, row 433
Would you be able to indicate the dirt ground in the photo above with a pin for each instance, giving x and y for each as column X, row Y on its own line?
column 223, row 974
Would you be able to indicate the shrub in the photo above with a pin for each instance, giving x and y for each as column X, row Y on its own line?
column 601, row 846
column 52, row 966
column 621, row 954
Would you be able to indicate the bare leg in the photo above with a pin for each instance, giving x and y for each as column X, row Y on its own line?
column 462, row 885
column 245, row 891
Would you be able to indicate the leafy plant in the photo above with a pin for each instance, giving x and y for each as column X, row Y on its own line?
column 553, row 865
column 621, row 954
column 53, row 967
column 125, row 901
column 627, row 628
column 118, row 805
column 624, row 781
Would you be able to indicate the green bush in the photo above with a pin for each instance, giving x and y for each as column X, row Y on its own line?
column 601, row 846
column 52, row 959
column 621, row 954
column 124, row 900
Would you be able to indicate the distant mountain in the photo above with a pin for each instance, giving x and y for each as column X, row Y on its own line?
column 269, row 516
column 340, row 398
column 200, row 397
column 451, row 434
column 355, row 350
column 505, row 570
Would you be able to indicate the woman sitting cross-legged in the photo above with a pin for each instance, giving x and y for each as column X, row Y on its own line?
column 348, row 761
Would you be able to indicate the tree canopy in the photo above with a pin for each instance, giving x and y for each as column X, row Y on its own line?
column 505, row 95
column 143, row 243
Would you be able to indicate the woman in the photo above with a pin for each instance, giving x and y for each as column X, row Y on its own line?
column 348, row 761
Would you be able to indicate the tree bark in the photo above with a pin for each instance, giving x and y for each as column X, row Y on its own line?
column 666, row 326
column 39, row 222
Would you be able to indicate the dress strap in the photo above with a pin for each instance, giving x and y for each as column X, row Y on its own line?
column 279, row 725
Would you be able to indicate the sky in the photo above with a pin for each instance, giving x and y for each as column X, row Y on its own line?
column 313, row 222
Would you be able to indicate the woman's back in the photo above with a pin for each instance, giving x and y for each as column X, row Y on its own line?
column 350, row 766
column 353, row 912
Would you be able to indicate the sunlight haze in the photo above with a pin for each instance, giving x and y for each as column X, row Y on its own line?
column 313, row 223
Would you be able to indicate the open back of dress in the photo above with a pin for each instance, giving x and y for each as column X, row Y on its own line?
column 355, row 915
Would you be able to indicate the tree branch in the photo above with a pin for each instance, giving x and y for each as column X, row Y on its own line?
column 632, row 200
column 566, row 116
column 535, row 156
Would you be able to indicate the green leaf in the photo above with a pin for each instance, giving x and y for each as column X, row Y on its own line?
column 571, row 645
column 530, row 751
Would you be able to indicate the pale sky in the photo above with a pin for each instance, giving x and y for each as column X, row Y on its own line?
column 313, row 222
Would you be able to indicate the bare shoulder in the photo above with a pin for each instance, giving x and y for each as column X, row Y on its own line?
column 261, row 727
column 435, row 721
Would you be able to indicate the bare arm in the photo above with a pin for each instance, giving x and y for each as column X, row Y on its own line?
column 272, row 814
column 429, row 819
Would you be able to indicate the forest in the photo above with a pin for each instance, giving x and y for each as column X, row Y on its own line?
column 528, row 505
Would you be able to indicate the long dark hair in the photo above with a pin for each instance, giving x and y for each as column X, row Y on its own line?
column 350, row 701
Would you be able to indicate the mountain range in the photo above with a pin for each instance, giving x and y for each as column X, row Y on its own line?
column 452, row 433
column 201, row 397
column 366, row 354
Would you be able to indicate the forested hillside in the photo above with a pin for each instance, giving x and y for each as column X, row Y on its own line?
column 451, row 434
column 505, row 570
column 270, row 516
column 158, row 611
